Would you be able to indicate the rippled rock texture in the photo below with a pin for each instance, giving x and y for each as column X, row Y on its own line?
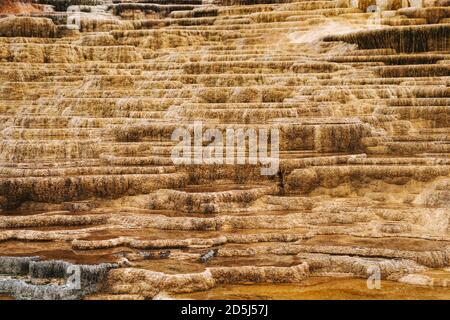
column 93, row 206
column 19, row 7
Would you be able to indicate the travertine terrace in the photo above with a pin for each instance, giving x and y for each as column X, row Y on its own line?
column 359, row 90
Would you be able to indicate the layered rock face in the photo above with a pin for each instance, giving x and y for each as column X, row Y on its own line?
column 92, row 91
column 19, row 7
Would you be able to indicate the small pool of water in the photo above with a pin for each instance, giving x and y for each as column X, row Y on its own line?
column 321, row 288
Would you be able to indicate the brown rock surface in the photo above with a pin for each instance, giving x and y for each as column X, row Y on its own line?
column 89, row 100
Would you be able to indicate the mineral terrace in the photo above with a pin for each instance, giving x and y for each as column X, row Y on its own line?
column 93, row 207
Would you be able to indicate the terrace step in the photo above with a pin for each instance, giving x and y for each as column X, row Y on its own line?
column 360, row 101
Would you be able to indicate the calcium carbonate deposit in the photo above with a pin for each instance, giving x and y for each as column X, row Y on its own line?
column 224, row 148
